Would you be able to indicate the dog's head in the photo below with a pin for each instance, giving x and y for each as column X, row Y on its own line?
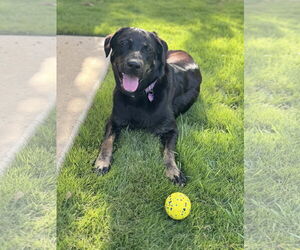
column 138, row 58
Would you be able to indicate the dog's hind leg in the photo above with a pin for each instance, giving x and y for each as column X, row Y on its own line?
column 172, row 171
column 182, row 103
column 102, row 163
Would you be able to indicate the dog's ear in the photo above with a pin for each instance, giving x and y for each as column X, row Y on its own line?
column 109, row 40
column 107, row 46
column 163, row 50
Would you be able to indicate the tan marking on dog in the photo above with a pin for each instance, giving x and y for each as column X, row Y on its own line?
column 178, row 56
column 104, row 157
column 171, row 167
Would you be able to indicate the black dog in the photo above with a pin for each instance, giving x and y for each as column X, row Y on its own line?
column 153, row 86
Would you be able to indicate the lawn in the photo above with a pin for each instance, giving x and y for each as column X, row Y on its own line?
column 28, row 193
column 272, row 118
column 124, row 209
column 27, row 17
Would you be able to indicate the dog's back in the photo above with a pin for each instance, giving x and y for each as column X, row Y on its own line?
column 187, row 78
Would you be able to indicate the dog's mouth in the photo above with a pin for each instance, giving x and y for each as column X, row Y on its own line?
column 129, row 83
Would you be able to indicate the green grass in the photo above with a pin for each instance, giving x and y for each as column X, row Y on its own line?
column 272, row 91
column 124, row 209
column 27, row 17
column 28, row 194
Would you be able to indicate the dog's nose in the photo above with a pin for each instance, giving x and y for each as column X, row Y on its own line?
column 134, row 64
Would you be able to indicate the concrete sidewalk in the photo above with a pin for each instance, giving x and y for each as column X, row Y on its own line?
column 36, row 70
column 81, row 67
column 27, row 89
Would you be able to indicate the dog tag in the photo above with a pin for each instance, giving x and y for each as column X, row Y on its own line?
column 151, row 96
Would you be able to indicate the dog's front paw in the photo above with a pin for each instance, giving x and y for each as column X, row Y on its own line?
column 101, row 167
column 176, row 176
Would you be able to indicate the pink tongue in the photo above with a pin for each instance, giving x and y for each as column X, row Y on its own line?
column 130, row 83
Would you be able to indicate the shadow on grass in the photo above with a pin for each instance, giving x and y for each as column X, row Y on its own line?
column 272, row 125
column 28, row 193
column 105, row 17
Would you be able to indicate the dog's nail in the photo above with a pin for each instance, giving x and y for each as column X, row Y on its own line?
column 179, row 180
column 101, row 171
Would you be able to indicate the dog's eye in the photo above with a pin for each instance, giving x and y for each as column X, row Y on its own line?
column 146, row 48
column 123, row 43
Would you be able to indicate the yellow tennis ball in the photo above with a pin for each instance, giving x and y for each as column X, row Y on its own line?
column 178, row 206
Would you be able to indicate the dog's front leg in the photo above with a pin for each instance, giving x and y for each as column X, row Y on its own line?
column 102, row 163
column 172, row 171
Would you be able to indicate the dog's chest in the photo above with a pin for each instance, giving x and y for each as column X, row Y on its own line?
column 140, row 117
